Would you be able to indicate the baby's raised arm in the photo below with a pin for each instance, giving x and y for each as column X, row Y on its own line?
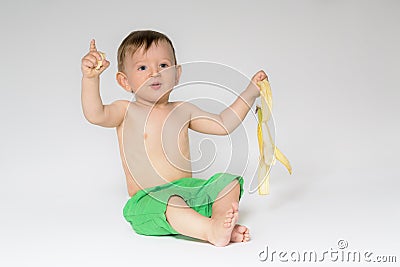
column 229, row 119
column 93, row 64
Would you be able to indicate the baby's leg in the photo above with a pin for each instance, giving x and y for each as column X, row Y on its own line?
column 227, row 198
column 186, row 221
column 220, row 229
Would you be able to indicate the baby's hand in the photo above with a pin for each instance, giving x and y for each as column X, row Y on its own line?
column 253, row 88
column 94, row 62
column 259, row 76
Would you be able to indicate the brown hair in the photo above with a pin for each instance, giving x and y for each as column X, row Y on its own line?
column 138, row 39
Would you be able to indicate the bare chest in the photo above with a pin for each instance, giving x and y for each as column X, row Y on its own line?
column 155, row 130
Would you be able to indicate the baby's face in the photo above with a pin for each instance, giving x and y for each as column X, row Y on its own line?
column 152, row 74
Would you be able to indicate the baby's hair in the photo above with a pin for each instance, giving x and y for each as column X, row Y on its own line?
column 138, row 39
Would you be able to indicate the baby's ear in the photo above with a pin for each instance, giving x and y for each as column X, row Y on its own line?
column 123, row 81
column 178, row 73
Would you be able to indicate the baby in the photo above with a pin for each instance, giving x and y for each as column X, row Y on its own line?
column 164, row 197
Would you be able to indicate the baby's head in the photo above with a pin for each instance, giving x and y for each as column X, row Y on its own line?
column 147, row 61
column 140, row 39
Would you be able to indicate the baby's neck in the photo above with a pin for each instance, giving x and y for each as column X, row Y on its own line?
column 158, row 104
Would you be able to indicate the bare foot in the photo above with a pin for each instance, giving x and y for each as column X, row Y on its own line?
column 240, row 233
column 222, row 226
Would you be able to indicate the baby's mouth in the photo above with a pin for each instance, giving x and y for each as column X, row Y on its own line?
column 155, row 85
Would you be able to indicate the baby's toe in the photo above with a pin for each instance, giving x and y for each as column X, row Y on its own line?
column 235, row 207
column 236, row 237
column 241, row 229
column 229, row 213
column 246, row 237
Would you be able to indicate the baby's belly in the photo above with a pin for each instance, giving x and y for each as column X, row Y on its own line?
column 151, row 169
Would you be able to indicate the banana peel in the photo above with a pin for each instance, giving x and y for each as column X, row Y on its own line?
column 265, row 141
column 100, row 62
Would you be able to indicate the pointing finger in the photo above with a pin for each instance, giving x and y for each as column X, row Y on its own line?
column 93, row 45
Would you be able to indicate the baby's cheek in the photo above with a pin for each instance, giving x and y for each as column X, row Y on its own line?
column 169, row 73
column 170, row 80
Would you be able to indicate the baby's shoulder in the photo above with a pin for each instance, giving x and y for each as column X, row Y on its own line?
column 120, row 106
column 123, row 104
column 184, row 105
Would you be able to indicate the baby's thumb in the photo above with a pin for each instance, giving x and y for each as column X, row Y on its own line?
column 104, row 65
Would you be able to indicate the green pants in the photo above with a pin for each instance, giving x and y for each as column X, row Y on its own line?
column 145, row 210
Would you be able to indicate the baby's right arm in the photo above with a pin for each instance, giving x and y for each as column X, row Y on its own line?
column 95, row 112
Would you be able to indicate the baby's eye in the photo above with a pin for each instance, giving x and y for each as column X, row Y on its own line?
column 164, row 65
column 142, row 68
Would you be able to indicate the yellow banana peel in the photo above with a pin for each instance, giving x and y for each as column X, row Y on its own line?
column 100, row 62
column 269, row 152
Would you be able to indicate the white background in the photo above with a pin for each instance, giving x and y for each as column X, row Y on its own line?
column 333, row 67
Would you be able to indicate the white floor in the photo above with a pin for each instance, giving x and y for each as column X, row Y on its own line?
column 304, row 212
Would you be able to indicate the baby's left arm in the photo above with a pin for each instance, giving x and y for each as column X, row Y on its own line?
column 229, row 119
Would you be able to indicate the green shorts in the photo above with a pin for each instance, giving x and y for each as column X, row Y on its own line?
column 145, row 210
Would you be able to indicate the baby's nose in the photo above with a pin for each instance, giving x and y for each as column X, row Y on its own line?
column 155, row 74
column 154, row 71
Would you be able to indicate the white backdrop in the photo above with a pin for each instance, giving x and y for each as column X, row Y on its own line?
column 333, row 67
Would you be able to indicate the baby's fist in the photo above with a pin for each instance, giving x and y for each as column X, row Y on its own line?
column 259, row 76
column 253, row 87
